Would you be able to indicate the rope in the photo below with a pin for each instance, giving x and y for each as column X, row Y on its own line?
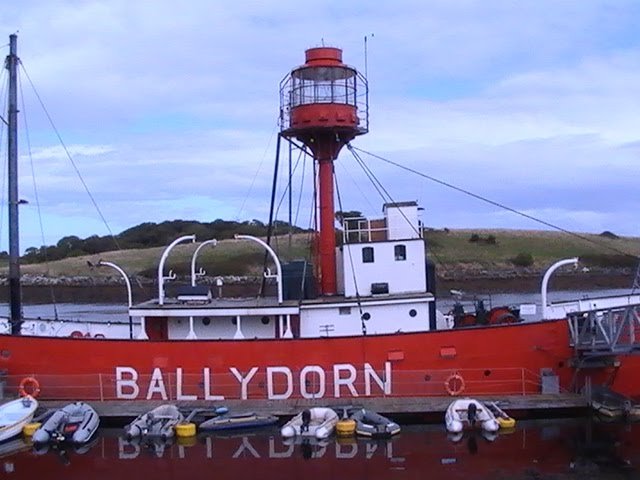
column 35, row 193
column 75, row 167
column 367, row 169
column 255, row 175
column 496, row 204
column 353, row 270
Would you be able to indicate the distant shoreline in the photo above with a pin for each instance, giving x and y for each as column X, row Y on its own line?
column 111, row 289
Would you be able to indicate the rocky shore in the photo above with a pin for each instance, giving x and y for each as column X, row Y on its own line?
column 85, row 288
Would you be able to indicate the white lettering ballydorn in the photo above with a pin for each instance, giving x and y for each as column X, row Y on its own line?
column 347, row 381
column 244, row 381
column 206, row 373
column 317, row 385
column 271, row 383
column 156, row 385
column 129, row 383
column 179, row 387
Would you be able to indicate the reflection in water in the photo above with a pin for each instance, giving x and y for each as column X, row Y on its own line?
column 565, row 448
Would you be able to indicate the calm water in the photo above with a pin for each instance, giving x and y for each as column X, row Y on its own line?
column 550, row 449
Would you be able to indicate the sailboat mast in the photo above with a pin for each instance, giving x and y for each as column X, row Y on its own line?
column 15, row 291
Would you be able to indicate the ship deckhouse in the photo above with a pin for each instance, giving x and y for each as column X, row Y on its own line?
column 383, row 256
column 373, row 282
column 383, row 287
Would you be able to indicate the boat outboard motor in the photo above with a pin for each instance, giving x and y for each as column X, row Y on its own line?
column 306, row 420
column 472, row 410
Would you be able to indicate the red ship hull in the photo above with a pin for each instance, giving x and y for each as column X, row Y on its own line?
column 496, row 360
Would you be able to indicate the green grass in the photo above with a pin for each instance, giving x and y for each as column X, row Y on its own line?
column 453, row 247
column 450, row 250
column 228, row 257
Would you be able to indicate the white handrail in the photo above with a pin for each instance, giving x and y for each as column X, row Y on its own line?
column 171, row 276
column 275, row 258
column 545, row 282
column 212, row 242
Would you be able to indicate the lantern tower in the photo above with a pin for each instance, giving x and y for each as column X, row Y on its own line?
column 324, row 105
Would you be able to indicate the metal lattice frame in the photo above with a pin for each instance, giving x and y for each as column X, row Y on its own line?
column 636, row 281
column 606, row 331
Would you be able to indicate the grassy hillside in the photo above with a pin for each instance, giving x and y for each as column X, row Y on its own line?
column 228, row 257
column 451, row 250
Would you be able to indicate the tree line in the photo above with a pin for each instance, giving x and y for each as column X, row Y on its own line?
column 147, row 235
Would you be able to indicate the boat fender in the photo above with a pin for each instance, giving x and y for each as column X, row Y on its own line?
column 346, row 427
column 30, row 428
column 454, row 384
column 32, row 384
column 185, row 430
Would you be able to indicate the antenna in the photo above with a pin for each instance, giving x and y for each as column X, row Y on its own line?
column 366, row 56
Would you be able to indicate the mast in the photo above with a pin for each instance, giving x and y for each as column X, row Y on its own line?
column 15, row 291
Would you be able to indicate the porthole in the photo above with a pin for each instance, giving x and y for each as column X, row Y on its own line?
column 265, row 320
column 366, row 316
column 487, row 373
column 427, row 378
column 206, row 321
column 413, row 312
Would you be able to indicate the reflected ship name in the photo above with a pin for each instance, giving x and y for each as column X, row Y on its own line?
column 277, row 449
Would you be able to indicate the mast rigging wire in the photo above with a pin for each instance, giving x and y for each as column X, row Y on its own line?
column 363, row 325
column 370, row 172
column 255, row 175
column 73, row 163
column 374, row 180
column 494, row 203
column 37, row 197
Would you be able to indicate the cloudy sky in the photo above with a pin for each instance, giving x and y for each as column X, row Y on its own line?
column 171, row 112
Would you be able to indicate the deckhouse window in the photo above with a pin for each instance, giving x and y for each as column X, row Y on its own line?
column 400, row 252
column 367, row 255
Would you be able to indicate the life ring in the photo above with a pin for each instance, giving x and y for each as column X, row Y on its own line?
column 454, row 384
column 33, row 385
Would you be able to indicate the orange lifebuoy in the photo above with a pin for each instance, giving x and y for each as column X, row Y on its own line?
column 454, row 384
column 33, row 385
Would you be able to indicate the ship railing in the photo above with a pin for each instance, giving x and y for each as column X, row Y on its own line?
column 361, row 229
column 350, row 90
column 605, row 331
column 282, row 383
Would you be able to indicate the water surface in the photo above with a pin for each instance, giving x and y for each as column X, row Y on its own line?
column 550, row 449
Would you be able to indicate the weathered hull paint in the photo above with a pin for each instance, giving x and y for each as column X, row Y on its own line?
column 493, row 360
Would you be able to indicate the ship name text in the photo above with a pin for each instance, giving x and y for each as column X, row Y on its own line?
column 273, row 383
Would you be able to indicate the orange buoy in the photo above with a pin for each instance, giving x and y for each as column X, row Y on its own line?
column 454, row 384
column 29, row 383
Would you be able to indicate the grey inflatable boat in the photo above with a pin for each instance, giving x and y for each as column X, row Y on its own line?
column 372, row 424
column 157, row 423
column 75, row 423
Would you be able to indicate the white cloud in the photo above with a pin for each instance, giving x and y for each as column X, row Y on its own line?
column 169, row 111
